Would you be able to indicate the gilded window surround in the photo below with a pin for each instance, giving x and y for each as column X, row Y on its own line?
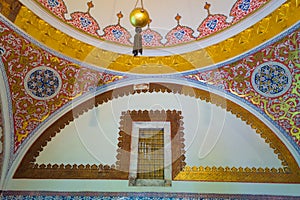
column 290, row 173
column 282, row 18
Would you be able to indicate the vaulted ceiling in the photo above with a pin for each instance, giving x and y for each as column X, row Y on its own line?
column 224, row 75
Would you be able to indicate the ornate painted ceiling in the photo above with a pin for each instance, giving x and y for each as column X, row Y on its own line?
column 104, row 20
column 225, row 76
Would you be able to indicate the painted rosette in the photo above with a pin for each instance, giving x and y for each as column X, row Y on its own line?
column 271, row 79
column 42, row 83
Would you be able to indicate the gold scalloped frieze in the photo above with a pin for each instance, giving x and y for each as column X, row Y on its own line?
column 51, row 37
column 233, row 174
column 282, row 18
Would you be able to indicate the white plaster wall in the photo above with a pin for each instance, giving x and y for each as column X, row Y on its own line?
column 213, row 137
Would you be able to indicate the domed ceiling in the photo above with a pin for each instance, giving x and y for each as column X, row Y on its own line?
column 218, row 79
column 184, row 37
column 171, row 23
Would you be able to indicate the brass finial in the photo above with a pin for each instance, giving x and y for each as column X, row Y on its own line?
column 178, row 17
column 207, row 7
column 90, row 5
column 119, row 15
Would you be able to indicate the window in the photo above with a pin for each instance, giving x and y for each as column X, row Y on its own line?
column 150, row 154
column 150, row 160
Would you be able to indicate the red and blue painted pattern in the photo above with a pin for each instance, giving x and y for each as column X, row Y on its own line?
column 268, row 79
column 57, row 7
column 151, row 38
column 85, row 22
column 178, row 35
column 242, row 8
column 212, row 24
column 33, row 105
column 117, row 33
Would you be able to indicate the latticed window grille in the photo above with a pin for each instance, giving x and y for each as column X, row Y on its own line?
column 151, row 153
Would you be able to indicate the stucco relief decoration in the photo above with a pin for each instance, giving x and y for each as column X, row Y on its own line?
column 268, row 79
column 213, row 23
column 58, row 82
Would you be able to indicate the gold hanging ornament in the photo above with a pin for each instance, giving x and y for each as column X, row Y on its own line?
column 139, row 18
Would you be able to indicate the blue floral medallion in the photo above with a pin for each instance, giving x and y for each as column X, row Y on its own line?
column 42, row 83
column 148, row 37
column 271, row 79
column 179, row 34
column 245, row 5
column 212, row 24
column 117, row 33
column 53, row 3
column 85, row 22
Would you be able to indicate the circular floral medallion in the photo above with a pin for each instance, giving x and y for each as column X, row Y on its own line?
column 42, row 83
column 271, row 79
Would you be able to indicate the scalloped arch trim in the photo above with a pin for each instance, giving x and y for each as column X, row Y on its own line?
column 290, row 172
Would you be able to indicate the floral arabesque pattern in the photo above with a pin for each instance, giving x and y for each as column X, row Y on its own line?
column 151, row 38
column 236, row 78
column 42, row 83
column 117, row 33
column 271, row 79
column 179, row 34
column 22, row 56
column 85, row 22
column 57, row 7
column 210, row 25
column 242, row 8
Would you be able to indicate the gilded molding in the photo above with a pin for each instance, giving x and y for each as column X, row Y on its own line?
column 10, row 8
column 289, row 173
column 51, row 37
column 282, row 18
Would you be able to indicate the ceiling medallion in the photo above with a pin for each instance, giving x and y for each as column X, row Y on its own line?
column 42, row 83
column 271, row 79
